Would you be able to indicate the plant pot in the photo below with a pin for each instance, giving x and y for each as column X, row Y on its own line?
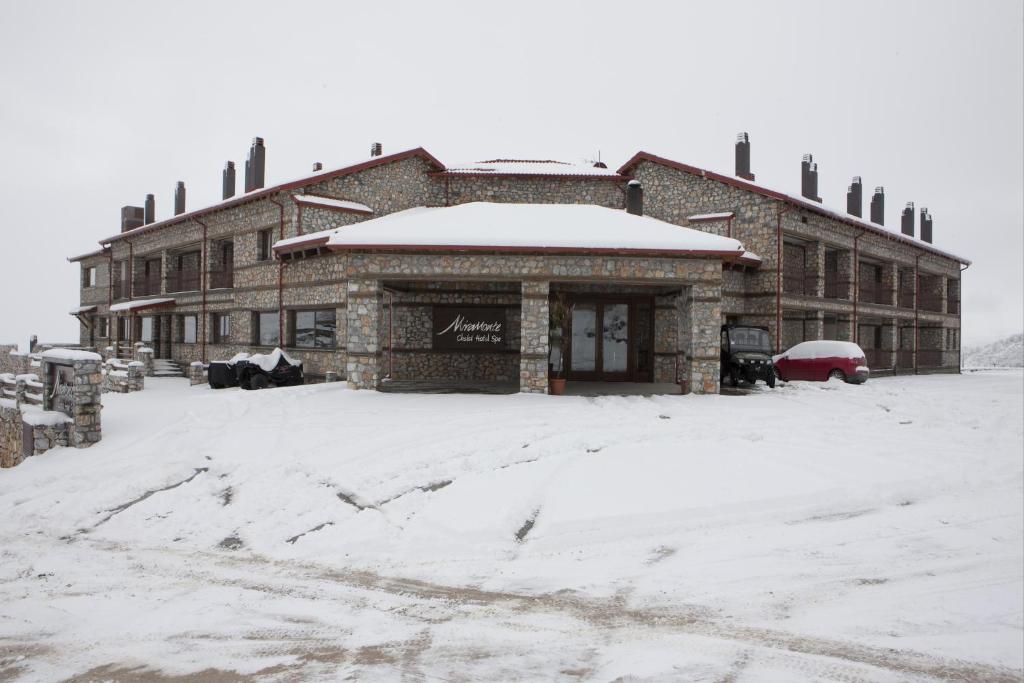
column 557, row 386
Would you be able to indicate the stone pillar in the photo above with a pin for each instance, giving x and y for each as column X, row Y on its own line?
column 890, row 342
column 81, row 399
column 814, row 325
column 844, row 327
column 109, row 352
column 144, row 355
column 534, row 337
column 20, row 387
column 363, row 320
column 703, row 314
column 136, row 376
column 671, row 339
column 890, row 283
column 330, row 376
column 814, row 265
column 196, row 373
column 166, row 329
column 844, row 275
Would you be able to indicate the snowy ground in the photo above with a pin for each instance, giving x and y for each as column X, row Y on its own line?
column 816, row 532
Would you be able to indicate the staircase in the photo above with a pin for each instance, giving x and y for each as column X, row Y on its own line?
column 165, row 367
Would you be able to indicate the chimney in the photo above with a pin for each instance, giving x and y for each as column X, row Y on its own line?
column 179, row 198
column 376, row 149
column 907, row 220
column 878, row 206
column 317, row 167
column 743, row 157
column 600, row 164
column 228, row 181
column 809, row 178
column 248, row 174
column 149, row 215
column 635, row 198
column 132, row 217
column 926, row 225
column 855, row 197
column 258, row 162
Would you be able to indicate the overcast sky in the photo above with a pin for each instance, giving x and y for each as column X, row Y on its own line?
column 103, row 102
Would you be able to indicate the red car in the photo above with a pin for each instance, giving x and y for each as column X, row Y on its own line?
column 822, row 360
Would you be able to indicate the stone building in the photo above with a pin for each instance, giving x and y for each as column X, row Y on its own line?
column 363, row 270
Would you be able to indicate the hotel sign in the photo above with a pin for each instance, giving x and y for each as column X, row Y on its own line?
column 458, row 328
column 61, row 388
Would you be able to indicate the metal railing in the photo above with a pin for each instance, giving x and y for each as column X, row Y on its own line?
column 930, row 302
column 147, row 285
column 803, row 284
column 222, row 279
column 183, row 281
column 874, row 293
column 836, row 288
column 905, row 297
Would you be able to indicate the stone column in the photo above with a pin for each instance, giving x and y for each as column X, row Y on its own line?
column 815, row 269
column 890, row 342
column 671, row 339
column 814, row 325
column 845, row 275
column 890, row 283
column 703, row 313
column 136, row 376
column 363, row 347
column 145, row 356
column 80, row 401
column 534, row 337
column 844, row 327
column 196, row 373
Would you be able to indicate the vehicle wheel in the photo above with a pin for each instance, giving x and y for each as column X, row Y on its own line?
column 770, row 380
column 836, row 373
column 778, row 375
column 259, row 382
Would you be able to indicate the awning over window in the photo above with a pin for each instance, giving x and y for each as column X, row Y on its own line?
column 82, row 309
column 140, row 305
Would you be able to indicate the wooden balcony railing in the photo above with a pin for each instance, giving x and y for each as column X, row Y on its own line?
column 147, row 286
column 905, row 298
column 930, row 302
column 836, row 288
column 799, row 283
column 183, row 281
column 221, row 279
column 875, row 293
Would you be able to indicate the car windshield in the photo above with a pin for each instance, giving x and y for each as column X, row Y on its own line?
column 749, row 339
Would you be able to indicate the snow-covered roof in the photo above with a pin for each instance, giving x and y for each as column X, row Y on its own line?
column 507, row 227
column 800, row 202
column 70, row 354
column 82, row 309
column 722, row 216
column 530, row 167
column 328, row 202
column 139, row 304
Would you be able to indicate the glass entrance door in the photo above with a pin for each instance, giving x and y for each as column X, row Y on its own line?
column 601, row 340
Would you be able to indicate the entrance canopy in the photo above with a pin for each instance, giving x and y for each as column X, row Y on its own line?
column 523, row 228
column 141, row 305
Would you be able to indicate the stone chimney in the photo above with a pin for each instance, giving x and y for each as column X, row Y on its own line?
column 132, row 217
column 635, row 198
column 855, row 198
column 317, row 167
column 256, row 165
column 743, row 157
column 227, row 189
column 809, row 178
column 878, row 206
column 926, row 225
column 907, row 220
column 376, row 149
column 179, row 198
column 149, row 214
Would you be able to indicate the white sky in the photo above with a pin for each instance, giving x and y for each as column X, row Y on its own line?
column 101, row 103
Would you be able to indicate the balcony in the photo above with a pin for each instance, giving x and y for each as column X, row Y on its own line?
column 905, row 297
column 182, row 281
column 904, row 359
column 929, row 359
column 930, row 302
column 836, row 288
column 147, row 286
column 222, row 279
column 953, row 306
column 874, row 293
column 800, row 283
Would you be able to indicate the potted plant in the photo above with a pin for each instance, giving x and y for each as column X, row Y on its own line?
column 560, row 311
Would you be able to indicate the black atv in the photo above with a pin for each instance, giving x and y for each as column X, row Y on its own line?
column 746, row 355
column 274, row 369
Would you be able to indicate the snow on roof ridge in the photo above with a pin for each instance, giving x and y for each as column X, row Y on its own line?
column 332, row 202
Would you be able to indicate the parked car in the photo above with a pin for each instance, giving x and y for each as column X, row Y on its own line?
column 259, row 371
column 746, row 355
column 822, row 360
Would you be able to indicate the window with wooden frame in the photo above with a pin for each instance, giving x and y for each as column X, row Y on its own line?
column 89, row 276
column 265, row 328
column 189, row 329
column 221, row 328
column 265, row 244
column 314, row 329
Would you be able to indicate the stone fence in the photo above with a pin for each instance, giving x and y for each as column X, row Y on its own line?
column 123, row 378
column 70, row 410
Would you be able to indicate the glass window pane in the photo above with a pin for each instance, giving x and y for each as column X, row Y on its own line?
column 615, row 337
column 584, row 337
column 325, row 327
column 190, row 329
column 147, row 330
column 268, row 328
column 305, row 322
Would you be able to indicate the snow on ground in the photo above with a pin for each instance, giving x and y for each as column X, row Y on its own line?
column 814, row 532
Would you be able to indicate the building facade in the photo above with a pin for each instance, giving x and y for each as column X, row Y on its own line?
column 354, row 270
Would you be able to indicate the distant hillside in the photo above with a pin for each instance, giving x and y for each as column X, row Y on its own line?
column 1005, row 353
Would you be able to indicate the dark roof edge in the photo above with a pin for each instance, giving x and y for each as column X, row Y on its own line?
column 99, row 252
column 284, row 187
column 793, row 201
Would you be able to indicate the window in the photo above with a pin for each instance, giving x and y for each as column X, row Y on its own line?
column 122, row 329
column 188, row 329
column 264, row 244
column 102, row 328
column 147, row 330
column 89, row 276
column 221, row 328
column 314, row 329
column 265, row 327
